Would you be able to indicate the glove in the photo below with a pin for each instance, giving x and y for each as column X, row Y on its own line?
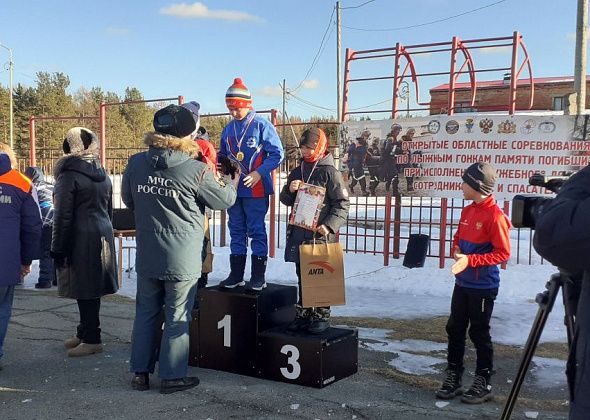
column 228, row 166
column 59, row 259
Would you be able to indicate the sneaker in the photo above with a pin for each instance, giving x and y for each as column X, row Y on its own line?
column 70, row 343
column 230, row 283
column 480, row 391
column 168, row 386
column 141, row 381
column 318, row 326
column 43, row 285
column 85, row 349
column 452, row 386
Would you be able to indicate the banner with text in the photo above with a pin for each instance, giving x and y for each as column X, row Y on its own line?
column 427, row 156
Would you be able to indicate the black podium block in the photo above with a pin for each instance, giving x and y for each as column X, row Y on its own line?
column 230, row 320
column 193, row 355
column 305, row 359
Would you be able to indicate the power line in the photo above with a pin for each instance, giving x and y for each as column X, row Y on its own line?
column 369, row 106
column 320, row 49
column 399, row 28
column 309, row 103
column 356, row 7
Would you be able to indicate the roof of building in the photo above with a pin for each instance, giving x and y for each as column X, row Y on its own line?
column 502, row 83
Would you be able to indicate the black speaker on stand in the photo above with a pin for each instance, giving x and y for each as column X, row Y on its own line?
column 416, row 251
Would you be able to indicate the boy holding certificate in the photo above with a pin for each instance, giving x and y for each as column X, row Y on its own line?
column 313, row 219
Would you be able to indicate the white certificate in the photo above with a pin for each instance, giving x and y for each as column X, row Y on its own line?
column 307, row 207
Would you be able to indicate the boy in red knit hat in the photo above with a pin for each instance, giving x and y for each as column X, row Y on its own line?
column 251, row 142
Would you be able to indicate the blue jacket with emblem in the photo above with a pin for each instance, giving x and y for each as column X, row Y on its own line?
column 20, row 223
column 262, row 150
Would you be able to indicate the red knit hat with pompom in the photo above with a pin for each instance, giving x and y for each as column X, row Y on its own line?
column 238, row 95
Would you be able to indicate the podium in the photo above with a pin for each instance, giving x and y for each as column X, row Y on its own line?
column 230, row 320
column 245, row 332
column 309, row 360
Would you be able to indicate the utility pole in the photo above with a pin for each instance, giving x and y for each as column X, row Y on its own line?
column 284, row 112
column 336, row 153
column 10, row 106
column 580, row 58
column 338, row 64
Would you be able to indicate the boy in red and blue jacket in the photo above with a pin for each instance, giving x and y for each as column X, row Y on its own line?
column 253, row 144
column 481, row 242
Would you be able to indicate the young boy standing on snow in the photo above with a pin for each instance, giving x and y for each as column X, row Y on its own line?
column 481, row 242
column 317, row 168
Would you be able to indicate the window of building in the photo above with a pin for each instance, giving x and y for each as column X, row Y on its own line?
column 461, row 107
column 558, row 103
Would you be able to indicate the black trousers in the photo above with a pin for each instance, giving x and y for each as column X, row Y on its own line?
column 89, row 327
column 471, row 308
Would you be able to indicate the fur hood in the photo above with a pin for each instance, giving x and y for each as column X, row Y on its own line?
column 165, row 141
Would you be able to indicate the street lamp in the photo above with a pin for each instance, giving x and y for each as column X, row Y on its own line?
column 10, row 66
column 404, row 93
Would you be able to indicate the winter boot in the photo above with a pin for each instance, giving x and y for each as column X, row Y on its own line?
column 480, row 391
column 320, row 320
column 452, row 386
column 85, row 349
column 236, row 276
column 257, row 281
column 302, row 319
column 410, row 184
column 202, row 281
column 363, row 183
column 168, row 386
column 70, row 343
column 140, row 381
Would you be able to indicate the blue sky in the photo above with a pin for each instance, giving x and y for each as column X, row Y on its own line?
column 168, row 48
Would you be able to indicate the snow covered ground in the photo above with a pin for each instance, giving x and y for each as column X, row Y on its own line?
column 373, row 290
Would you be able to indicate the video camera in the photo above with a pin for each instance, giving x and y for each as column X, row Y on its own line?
column 526, row 208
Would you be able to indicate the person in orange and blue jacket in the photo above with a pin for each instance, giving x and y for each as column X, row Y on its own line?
column 20, row 233
column 481, row 242
column 253, row 144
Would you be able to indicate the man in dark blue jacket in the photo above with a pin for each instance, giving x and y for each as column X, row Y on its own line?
column 20, row 233
column 168, row 190
column 562, row 236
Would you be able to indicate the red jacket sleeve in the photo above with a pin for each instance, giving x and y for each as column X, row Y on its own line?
column 499, row 230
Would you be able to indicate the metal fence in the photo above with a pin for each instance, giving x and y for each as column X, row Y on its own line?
column 376, row 225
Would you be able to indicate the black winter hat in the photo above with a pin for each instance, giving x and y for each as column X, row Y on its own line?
column 174, row 120
column 481, row 177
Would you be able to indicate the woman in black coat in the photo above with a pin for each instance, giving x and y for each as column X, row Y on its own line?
column 83, row 246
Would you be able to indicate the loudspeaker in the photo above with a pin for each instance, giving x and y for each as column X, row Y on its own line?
column 416, row 251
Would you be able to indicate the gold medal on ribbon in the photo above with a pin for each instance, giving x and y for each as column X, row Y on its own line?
column 240, row 156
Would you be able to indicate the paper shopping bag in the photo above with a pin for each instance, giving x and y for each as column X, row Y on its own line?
column 322, row 274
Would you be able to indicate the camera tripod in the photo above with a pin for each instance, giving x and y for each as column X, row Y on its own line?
column 546, row 299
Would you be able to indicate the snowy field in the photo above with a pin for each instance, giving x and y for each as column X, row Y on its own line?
column 373, row 290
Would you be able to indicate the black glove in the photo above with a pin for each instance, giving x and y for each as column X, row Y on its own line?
column 228, row 166
column 59, row 259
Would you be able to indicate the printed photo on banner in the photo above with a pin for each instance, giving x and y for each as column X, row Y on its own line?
column 426, row 156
